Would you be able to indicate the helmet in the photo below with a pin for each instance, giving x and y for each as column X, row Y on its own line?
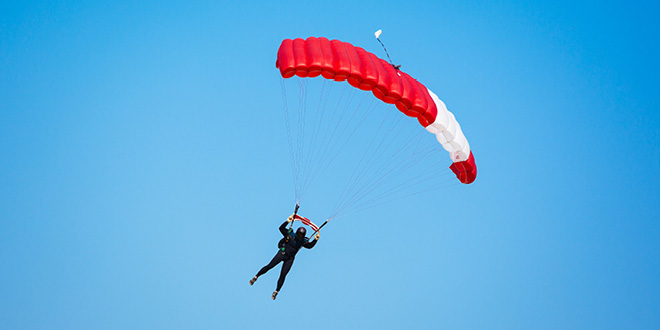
column 300, row 233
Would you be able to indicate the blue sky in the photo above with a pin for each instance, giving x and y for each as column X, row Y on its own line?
column 144, row 169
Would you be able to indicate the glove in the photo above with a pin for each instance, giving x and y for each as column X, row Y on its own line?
column 289, row 219
column 317, row 236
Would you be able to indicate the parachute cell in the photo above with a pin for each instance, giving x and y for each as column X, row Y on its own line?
column 339, row 61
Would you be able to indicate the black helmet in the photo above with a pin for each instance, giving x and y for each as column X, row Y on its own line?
column 300, row 233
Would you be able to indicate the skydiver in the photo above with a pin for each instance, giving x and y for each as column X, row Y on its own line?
column 288, row 247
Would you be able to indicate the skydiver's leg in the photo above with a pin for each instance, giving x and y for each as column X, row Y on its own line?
column 285, row 270
column 276, row 260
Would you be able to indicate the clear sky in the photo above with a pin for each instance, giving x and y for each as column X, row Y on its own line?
column 144, row 169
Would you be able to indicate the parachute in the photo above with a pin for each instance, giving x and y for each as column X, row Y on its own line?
column 341, row 61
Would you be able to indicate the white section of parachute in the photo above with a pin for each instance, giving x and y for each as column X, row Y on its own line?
column 448, row 132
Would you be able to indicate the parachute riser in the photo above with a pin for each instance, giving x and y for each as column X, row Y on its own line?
column 310, row 237
column 295, row 212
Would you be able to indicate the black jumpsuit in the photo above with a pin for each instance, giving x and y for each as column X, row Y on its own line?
column 287, row 253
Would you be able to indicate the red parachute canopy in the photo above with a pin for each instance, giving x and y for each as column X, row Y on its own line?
column 339, row 61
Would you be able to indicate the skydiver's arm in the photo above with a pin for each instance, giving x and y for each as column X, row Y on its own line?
column 283, row 229
column 311, row 244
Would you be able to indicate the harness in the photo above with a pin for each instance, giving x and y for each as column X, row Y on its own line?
column 284, row 241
